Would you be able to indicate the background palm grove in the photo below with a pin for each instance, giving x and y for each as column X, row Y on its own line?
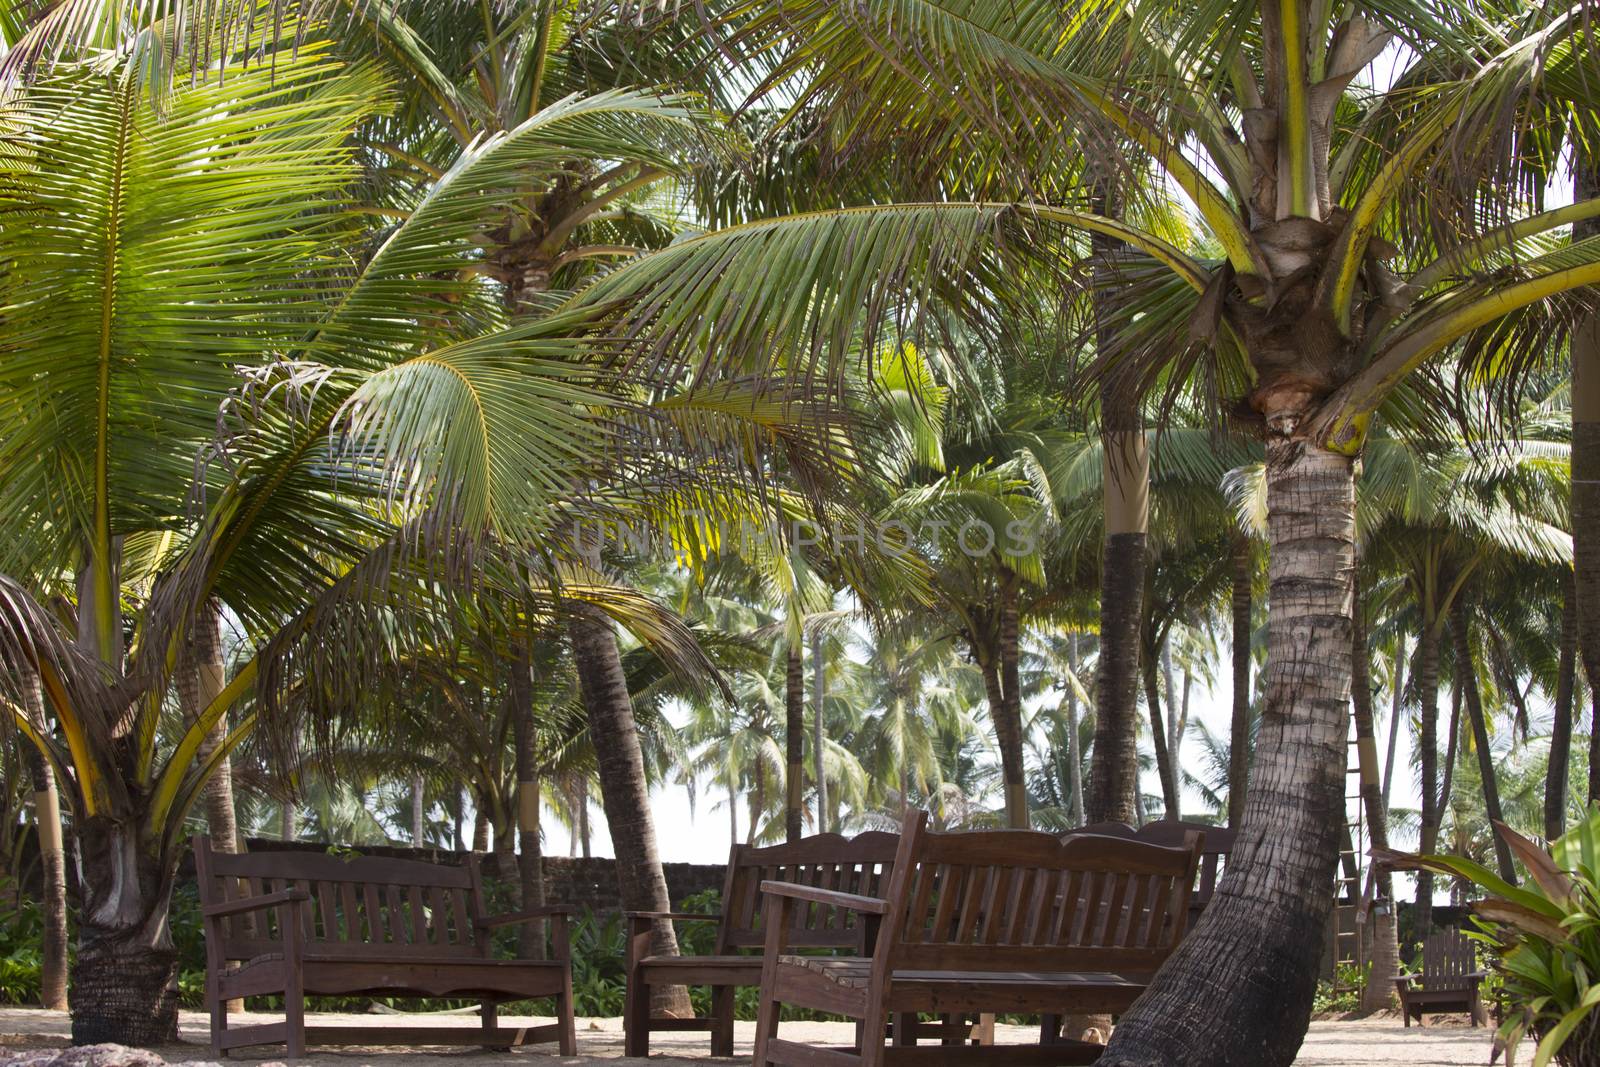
column 424, row 418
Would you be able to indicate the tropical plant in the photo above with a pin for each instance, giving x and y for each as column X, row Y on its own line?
column 1544, row 938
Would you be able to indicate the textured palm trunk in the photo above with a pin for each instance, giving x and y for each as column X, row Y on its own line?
column 530, row 858
column 124, row 980
column 1426, row 682
column 819, row 694
column 199, row 679
column 418, row 810
column 1114, row 772
column 794, row 742
column 1384, row 954
column 625, row 795
column 1396, row 712
column 52, row 860
column 1467, row 679
column 1074, row 757
column 1586, row 476
column 1239, row 727
column 1158, row 737
column 1238, row 990
column 1008, row 727
column 289, row 822
column 1555, row 782
column 583, row 817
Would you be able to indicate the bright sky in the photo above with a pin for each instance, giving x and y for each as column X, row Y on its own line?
column 698, row 833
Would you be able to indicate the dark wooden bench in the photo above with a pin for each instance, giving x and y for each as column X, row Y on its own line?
column 1449, row 980
column 300, row 924
column 860, row 864
column 992, row 921
column 1215, row 848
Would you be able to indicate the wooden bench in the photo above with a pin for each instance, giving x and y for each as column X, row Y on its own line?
column 828, row 861
column 1216, row 846
column 992, row 921
column 300, row 924
column 1448, row 982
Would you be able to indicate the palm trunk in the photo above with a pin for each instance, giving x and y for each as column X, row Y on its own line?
column 758, row 804
column 1585, row 346
column 1008, row 727
column 794, row 742
column 1555, row 782
column 1467, row 677
column 289, row 819
column 418, row 809
column 199, row 679
column 1074, row 757
column 1256, row 948
column 1452, row 745
column 624, row 792
column 530, row 860
column 52, row 859
column 1396, row 711
column 1426, row 681
column 1239, row 729
column 819, row 692
column 1175, row 712
column 53, row 877
column 480, row 824
column 124, row 980
column 1384, row 954
column 1114, row 772
column 583, row 817
column 1158, row 737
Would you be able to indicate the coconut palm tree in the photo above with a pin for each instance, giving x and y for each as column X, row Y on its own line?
column 331, row 350
column 1343, row 270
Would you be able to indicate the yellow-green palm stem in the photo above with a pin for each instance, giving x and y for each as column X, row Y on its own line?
column 1497, row 240
column 94, row 786
column 1295, row 106
column 40, row 740
column 1350, row 251
column 1208, row 199
column 104, row 624
column 189, row 795
column 1360, row 396
column 170, row 783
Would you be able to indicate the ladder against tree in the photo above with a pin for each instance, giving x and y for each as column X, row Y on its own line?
column 1348, row 948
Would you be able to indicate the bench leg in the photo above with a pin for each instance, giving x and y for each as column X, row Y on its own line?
column 722, row 998
column 905, row 1028
column 872, row 1027
column 983, row 1032
column 636, row 1017
column 567, row 1041
column 294, row 1014
column 219, row 1024
column 766, row 1026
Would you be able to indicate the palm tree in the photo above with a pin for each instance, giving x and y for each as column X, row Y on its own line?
column 305, row 529
column 1325, row 301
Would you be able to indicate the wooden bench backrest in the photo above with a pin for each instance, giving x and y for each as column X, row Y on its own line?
column 1020, row 900
column 860, row 864
column 363, row 906
column 1214, row 850
column 1447, row 958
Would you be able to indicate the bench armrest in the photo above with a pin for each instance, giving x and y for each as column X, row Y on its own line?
column 256, row 903
column 853, row 901
column 527, row 915
column 676, row 916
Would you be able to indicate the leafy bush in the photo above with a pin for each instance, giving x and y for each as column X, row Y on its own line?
column 1545, row 937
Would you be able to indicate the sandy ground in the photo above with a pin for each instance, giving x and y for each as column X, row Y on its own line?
column 1444, row 1042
